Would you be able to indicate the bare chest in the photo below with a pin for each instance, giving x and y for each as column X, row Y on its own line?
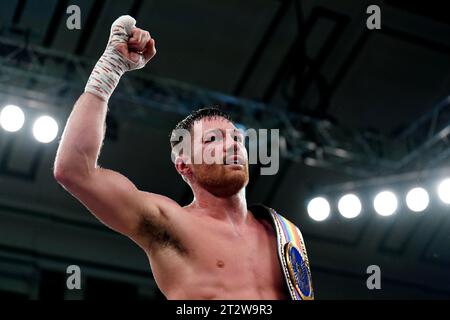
column 237, row 258
column 220, row 261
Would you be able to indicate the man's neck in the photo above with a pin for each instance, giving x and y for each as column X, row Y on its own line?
column 233, row 208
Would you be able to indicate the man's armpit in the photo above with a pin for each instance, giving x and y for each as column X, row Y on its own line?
column 156, row 233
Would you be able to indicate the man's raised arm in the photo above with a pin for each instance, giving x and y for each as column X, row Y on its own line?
column 110, row 196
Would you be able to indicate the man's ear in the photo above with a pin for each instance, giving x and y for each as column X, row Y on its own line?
column 181, row 165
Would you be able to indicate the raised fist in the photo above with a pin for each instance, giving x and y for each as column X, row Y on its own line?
column 129, row 48
column 134, row 44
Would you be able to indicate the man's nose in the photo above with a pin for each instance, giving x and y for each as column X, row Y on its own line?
column 230, row 146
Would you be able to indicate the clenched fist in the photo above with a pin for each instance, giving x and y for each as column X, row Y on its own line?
column 139, row 44
column 129, row 48
column 132, row 43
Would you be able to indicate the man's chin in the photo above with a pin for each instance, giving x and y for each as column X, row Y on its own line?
column 236, row 174
column 223, row 180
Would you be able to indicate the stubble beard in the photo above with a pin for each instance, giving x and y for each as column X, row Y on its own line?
column 220, row 180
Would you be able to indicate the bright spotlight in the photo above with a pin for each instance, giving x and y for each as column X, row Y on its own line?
column 417, row 199
column 12, row 118
column 45, row 129
column 385, row 203
column 349, row 206
column 444, row 191
column 318, row 209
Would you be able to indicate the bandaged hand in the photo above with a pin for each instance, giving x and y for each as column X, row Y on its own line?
column 129, row 48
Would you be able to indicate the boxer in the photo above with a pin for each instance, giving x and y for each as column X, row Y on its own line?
column 216, row 247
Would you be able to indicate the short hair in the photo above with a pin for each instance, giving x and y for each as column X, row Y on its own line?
column 188, row 122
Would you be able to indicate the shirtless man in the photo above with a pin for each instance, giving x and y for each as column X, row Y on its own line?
column 214, row 248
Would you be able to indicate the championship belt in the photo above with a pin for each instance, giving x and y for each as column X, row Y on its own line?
column 291, row 253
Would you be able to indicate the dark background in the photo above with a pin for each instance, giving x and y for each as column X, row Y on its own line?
column 347, row 100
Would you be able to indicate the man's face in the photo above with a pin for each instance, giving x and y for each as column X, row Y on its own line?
column 223, row 170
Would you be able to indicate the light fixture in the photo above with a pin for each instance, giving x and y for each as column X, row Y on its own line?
column 417, row 199
column 385, row 203
column 45, row 129
column 318, row 209
column 12, row 118
column 444, row 191
column 349, row 206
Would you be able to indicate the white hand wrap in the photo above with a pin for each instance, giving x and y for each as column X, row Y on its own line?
column 112, row 65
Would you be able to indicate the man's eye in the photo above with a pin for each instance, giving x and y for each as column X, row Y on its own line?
column 211, row 139
column 237, row 138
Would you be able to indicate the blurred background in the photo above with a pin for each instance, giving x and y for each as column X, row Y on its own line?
column 359, row 111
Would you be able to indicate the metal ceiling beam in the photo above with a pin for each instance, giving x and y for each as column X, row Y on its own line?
column 54, row 78
column 57, row 16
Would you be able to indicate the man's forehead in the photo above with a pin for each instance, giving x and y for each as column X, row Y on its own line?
column 215, row 123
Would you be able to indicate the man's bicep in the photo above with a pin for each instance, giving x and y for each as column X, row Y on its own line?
column 114, row 200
